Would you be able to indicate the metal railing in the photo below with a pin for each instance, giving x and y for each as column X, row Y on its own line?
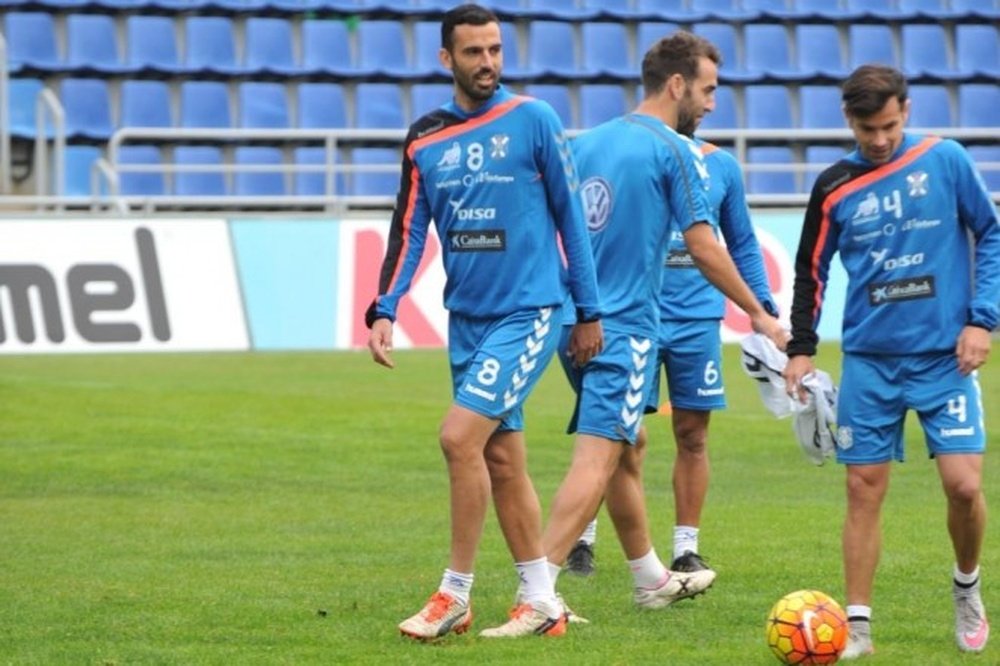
column 105, row 178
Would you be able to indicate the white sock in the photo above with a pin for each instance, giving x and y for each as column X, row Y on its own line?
column 966, row 579
column 648, row 571
column 685, row 539
column 589, row 535
column 458, row 585
column 536, row 586
column 858, row 612
column 554, row 570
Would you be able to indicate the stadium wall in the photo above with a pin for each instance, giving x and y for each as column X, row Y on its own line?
column 217, row 284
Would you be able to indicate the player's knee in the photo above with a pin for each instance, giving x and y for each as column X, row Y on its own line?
column 456, row 449
column 963, row 492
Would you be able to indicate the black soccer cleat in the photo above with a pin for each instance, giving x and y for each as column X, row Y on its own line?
column 688, row 562
column 581, row 559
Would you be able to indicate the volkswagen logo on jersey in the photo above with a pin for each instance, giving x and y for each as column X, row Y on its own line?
column 596, row 196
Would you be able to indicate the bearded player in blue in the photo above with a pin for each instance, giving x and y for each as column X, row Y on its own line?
column 637, row 174
column 690, row 352
column 494, row 173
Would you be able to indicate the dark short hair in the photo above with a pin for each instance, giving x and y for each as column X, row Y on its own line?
column 870, row 87
column 678, row 53
column 469, row 14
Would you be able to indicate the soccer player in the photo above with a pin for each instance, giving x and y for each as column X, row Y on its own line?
column 494, row 172
column 637, row 174
column 920, row 241
column 690, row 352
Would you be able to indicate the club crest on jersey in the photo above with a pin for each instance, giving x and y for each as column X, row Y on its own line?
column 451, row 157
column 917, row 182
column 596, row 196
column 498, row 146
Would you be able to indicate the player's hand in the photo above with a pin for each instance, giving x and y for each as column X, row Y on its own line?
column 797, row 368
column 972, row 349
column 769, row 326
column 380, row 342
column 585, row 342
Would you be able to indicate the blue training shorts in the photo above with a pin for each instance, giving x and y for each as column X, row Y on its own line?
column 877, row 390
column 613, row 387
column 496, row 362
column 691, row 356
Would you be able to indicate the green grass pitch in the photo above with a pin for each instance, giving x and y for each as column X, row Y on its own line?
column 292, row 509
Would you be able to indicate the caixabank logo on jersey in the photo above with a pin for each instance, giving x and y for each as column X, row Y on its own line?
column 907, row 289
column 116, row 285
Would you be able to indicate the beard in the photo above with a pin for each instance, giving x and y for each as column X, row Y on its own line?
column 467, row 83
column 686, row 124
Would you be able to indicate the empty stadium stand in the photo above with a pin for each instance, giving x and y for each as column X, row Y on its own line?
column 340, row 72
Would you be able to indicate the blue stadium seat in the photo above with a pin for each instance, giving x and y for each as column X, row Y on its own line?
column 561, row 10
column 21, row 108
column 382, row 47
column 650, row 32
column 145, row 104
column 925, row 52
column 820, row 107
column 938, row 10
column 138, row 183
column 515, row 67
column 92, row 46
column 326, row 48
column 426, row 45
column 880, row 10
column 269, row 48
column 725, row 115
column 768, row 107
column 425, row 97
column 378, row 106
column 258, row 183
column 205, row 104
column 313, row 183
column 375, row 183
column 600, row 102
column 979, row 105
column 768, row 53
column 724, row 36
column 977, row 51
column 211, row 46
column 321, row 106
column 263, row 105
column 152, row 45
column 819, row 158
column 930, row 106
column 77, row 165
column 31, row 44
column 606, row 51
column 558, row 98
column 198, row 183
column 988, row 154
column 670, row 10
column 771, row 182
column 87, row 104
column 726, row 10
column 823, row 9
column 977, row 8
column 871, row 44
column 621, row 10
column 819, row 52
column 550, row 50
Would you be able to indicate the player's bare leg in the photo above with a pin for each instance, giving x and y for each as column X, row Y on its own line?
column 690, row 480
column 866, row 488
column 961, row 478
column 655, row 586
